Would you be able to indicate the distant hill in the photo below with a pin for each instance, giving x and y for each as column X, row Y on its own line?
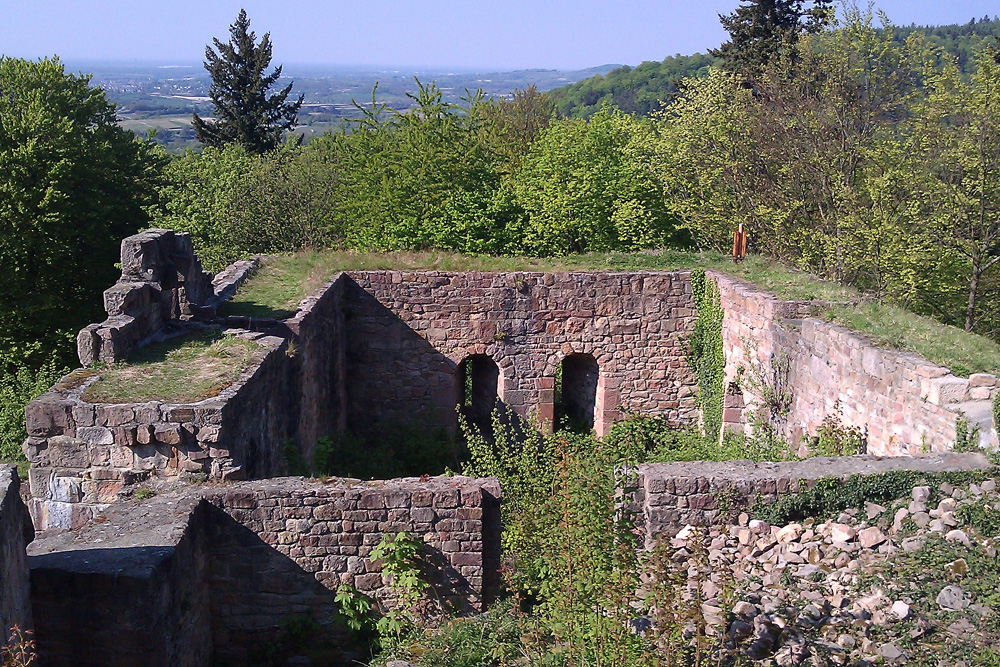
column 640, row 90
column 635, row 90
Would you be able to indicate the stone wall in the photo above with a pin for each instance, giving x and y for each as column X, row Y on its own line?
column 904, row 403
column 84, row 454
column 407, row 333
column 669, row 496
column 320, row 342
column 162, row 282
column 205, row 575
column 130, row 590
column 15, row 533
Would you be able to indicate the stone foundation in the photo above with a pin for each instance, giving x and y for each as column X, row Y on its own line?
column 670, row 496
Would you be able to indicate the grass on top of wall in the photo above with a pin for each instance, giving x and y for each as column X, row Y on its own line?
column 893, row 327
column 284, row 280
column 181, row 370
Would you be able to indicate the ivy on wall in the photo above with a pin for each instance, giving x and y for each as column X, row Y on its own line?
column 706, row 357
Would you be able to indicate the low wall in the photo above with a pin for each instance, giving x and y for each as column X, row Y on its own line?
column 212, row 575
column 162, row 281
column 15, row 533
column 140, row 576
column 669, row 496
column 904, row 403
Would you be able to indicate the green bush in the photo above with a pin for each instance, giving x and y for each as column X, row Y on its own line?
column 19, row 385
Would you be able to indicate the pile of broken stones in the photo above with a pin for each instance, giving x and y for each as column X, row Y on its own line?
column 810, row 593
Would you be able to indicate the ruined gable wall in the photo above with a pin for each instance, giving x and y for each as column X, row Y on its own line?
column 408, row 332
column 15, row 533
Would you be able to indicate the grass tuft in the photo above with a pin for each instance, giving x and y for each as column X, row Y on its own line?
column 182, row 370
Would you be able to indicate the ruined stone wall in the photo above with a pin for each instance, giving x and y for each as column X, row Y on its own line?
column 670, row 496
column 905, row 403
column 408, row 332
column 298, row 541
column 162, row 281
column 205, row 575
column 83, row 454
column 320, row 341
column 15, row 533
column 125, row 592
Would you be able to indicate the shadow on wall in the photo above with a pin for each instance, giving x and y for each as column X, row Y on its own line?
column 222, row 596
column 576, row 392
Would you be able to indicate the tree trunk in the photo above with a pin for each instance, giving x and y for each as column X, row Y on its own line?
column 970, row 310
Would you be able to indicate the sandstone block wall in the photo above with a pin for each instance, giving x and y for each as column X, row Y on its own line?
column 669, row 496
column 128, row 591
column 83, row 454
column 15, row 533
column 162, row 281
column 285, row 528
column 407, row 333
column 320, row 338
column 207, row 575
column 904, row 403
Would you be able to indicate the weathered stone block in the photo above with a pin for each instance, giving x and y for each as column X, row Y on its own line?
column 948, row 389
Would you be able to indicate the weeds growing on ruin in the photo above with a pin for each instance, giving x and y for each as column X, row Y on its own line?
column 19, row 649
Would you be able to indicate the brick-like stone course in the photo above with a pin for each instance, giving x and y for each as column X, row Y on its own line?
column 15, row 533
column 904, row 403
column 84, row 454
column 408, row 332
column 206, row 574
column 669, row 496
column 162, row 281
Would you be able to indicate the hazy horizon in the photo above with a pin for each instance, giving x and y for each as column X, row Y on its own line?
column 432, row 35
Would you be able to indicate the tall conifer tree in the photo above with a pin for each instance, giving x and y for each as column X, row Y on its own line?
column 244, row 112
column 760, row 29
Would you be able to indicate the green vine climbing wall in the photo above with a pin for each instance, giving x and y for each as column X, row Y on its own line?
column 706, row 357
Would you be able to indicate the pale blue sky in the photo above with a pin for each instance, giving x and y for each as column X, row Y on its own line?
column 494, row 34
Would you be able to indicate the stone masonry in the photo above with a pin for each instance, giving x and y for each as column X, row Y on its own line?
column 205, row 574
column 407, row 334
column 382, row 353
column 162, row 282
column 669, row 496
column 904, row 403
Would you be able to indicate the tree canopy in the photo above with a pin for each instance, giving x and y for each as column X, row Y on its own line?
column 245, row 113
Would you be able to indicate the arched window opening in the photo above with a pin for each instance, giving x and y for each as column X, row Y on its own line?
column 478, row 389
column 576, row 393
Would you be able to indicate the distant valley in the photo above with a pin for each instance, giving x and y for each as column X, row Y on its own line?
column 161, row 98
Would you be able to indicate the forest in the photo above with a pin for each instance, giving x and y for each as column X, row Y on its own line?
column 865, row 153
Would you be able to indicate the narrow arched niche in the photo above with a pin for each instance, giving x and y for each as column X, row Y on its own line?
column 576, row 392
column 477, row 384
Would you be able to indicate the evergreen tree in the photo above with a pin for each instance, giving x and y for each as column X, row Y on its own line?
column 244, row 113
column 761, row 29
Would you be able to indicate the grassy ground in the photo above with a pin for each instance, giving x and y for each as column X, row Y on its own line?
column 182, row 370
column 894, row 327
column 285, row 280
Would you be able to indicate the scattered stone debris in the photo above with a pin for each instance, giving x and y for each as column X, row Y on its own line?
column 833, row 593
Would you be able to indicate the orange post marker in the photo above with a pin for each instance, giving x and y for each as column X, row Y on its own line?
column 739, row 244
